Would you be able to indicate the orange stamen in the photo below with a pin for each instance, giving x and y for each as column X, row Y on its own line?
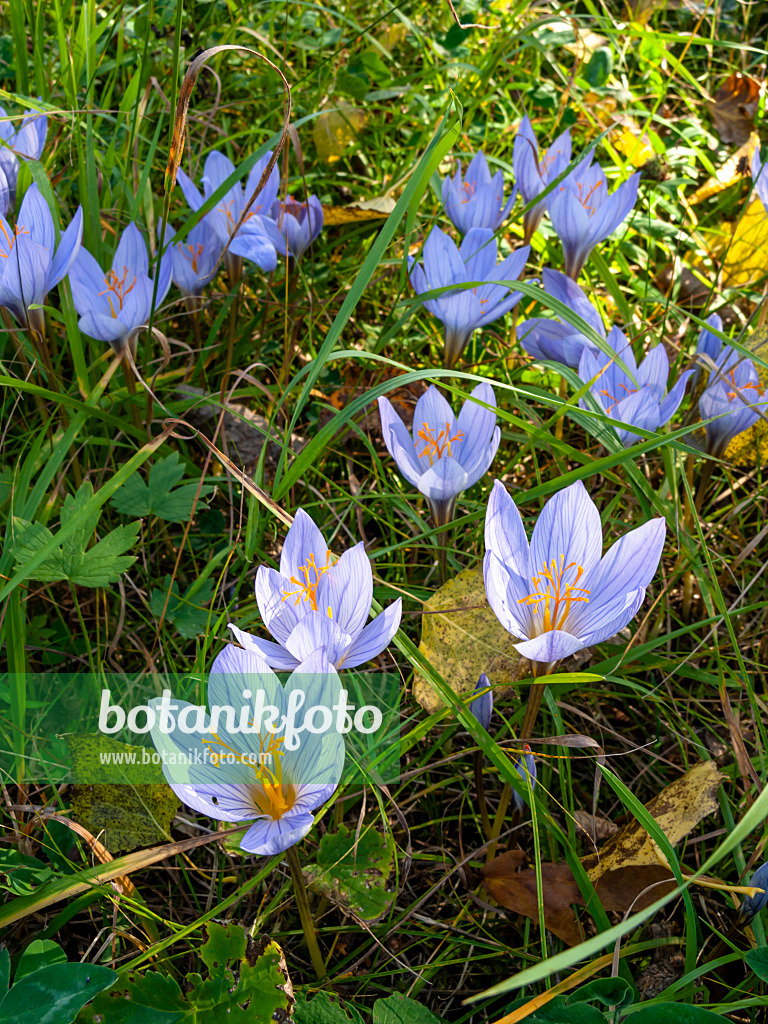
column 117, row 286
column 435, row 446
column 306, row 588
column 565, row 594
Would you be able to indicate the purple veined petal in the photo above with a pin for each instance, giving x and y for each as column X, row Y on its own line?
column 201, row 799
column 296, row 234
column 460, row 311
column 571, row 223
column 163, row 275
column 760, row 178
column 399, row 442
column 530, row 332
column 191, row 192
column 558, row 155
column 234, row 670
column 477, row 424
column 280, row 613
column 570, row 294
column 5, row 192
column 264, row 201
column 302, row 541
column 590, row 372
column 431, row 416
column 477, row 469
column 456, row 338
column 708, row 343
column 511, row 267
column 309, row 797
column 639, row 410
column 549, row 647
column 216, row 171
column 482, row 706
column 525, row 162
column 445, row 479
column 133, row 303
column 256, row 245
column 348, row 590
column 24, row 272
column 628, row 566
column 269, row 836
column 418, row 278
column 35, row 217
column 499, row 309
column 611, row 620
column 374, row 638
column 653, row 371
column 568, row 530
column 669, row 405
column 505, row 533
column 86, row 278
column 317, row 632
column 104, row 328
column 623, row 200
column 315, row 217
column 275, row 655
column 30, row 137
column 443, row 265
column 507, row 593
column 66, row 253
column 478, row 252
column 477, row 173
column 131, row 253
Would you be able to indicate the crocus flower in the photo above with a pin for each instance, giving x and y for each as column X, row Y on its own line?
column 734, row 394
column 476, row 200
column 482, row 706
column 557, row 595
column 583, row 213
column 754, row 904
column 446, row 454
column 224, row 216
column 557, row 339
column 25, row 142
column 318, row 603
column 194, row 261
column 30, row 261
column 114, row 304
column 292, row 227
column 525, row 766
column 534, row 171
column 236, row 775
column 708, row 344
column 760, row 178
column 639, row 400
column 463, row 310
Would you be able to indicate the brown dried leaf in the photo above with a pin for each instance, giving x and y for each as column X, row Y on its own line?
column 516, row 890
column 734, row 106
column 734, row 169
column 594, row 827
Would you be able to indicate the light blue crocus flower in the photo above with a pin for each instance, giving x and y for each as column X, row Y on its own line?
column 482, row 706
column 25, row 142
column 113, row 305
column 463, row 310
column 583, row 213
column 446, row 454
column 292, row 227
column 556, row 594
column 194, row 261
column 754, row 904
column 224, row 216
column 534, row 171
column 30, row 261
column 557, row 339
column 525, row 766
column 639, row 400
column 475, row 199
column 734, row 394
column 760, row 178
column 236, row 775
column 708, row 344
column 317, row 602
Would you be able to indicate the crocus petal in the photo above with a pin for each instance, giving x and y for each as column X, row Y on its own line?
column 131, row 253
column 478, row 251
column 104, row 328
column 669, row 405
column 654, row 371
column 562, row 288
column 348, row 590
column 191, row 192
column 254, row 244
column 504, row 531
column 477, row 424
column 374, row 637
column 506, row 592
column 434, row 413
column 444, row 480
column 276, row 656
column 270, row 836
column 317, row 632
column 640, row 410
column 551, row 646
column 36, row 218
column 66, row 253
column 399, row 442
column 482, row 706
column 568, row 528
column 443, row 264
column 302, row 540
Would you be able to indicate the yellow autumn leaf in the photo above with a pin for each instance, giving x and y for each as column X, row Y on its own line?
column 734, row 169
column 747, row 256
column 462, row 638
column 749, row 447
column 335, row 130
column 634, row 146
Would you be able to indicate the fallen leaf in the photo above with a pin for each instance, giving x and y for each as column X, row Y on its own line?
column 593, row 826
column 734, row 169
column 747, row 256
column 634, row 145
column 624, row 868
column 749, row 447
column 516, row 890
column 734, row 107
column 335, row 130
column 358, row 213
column 462, row 638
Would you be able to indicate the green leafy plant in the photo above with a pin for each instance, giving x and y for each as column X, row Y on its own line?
column 162, row 495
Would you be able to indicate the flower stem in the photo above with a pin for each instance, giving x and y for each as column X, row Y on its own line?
column 501, row 813
column 302, row 902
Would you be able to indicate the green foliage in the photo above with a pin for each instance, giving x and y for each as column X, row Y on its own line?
column 47, row 989
column 97, row 566
column 246, row 983
column 20, row 873
column 163, row 494
column 184, row 612
column 758, row 961
column 355, row 871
